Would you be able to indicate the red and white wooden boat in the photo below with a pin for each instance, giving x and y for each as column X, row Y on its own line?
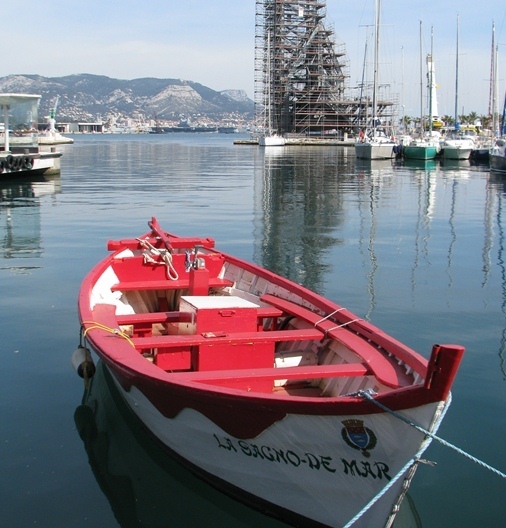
column 258, row 384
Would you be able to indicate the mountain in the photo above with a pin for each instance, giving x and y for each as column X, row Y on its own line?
column 86, row 97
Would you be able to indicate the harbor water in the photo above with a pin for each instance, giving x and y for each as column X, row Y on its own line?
column 419, row 250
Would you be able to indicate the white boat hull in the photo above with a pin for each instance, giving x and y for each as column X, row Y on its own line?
column 282, row 467
column 271, row 141
column 374, row 150
column 457, row 149
column 457, row 153
column 23, row 165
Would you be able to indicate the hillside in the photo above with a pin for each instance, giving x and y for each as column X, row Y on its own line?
column 86, row 97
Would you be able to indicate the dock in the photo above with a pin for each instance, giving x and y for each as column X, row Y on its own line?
column 304, row 141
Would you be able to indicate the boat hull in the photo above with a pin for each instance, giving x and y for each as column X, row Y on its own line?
column 374, row 151
column 457, row 149
column 456, row 153
column 271, row 141
column 420, row 152
column 296, row 464
column 21, row 165
column 497, row 162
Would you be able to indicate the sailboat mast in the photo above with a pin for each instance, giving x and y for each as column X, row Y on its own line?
column 431, row 76
column 492, row 94
column 362, row 87
column 457, row 76
column 421, row 80
column 376, row 60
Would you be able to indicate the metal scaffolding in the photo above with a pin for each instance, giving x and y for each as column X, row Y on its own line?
column 301, row 73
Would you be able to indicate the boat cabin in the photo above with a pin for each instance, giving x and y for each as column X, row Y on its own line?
column 20, row 123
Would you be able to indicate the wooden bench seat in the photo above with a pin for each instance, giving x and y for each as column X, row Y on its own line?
column 181, row 317
column 154, row 318
column 167, row 284
column 288, row 373
column 224, row 339
column 384, row 370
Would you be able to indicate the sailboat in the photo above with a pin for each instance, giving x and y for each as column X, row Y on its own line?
column 426, row 146
column 269, row 138
column 456, row 145
column 376, row 144
column 486, row 141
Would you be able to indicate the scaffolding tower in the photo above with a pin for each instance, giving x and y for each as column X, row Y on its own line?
column 301, row 74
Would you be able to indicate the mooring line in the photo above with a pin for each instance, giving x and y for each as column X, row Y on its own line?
column 428, row 433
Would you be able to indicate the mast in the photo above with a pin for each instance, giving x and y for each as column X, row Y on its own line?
column 431, row 76
column 457, row 77
column 492, row 92
column 362, row 87
column 421, row 81
column 376, row 60
column 403, row 121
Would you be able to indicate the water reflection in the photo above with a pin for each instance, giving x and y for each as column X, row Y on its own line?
column 374, row 168
column 145, row 486
column 425, row 165
column 297, row 209
column 450, row 164
column 497, row 184
column 20, row 222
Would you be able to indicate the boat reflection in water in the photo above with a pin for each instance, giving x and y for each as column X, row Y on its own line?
column 20, row 222
column 145, row 486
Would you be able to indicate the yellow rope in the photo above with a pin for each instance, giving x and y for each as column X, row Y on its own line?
column 100, row 326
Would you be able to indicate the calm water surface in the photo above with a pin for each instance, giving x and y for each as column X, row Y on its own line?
column 417, row 250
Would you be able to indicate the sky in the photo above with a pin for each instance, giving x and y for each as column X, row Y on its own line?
column 212, row 42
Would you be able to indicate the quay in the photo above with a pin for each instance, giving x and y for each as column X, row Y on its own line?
column 304, row 141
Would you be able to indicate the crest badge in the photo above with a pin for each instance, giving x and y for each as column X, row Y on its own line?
column 358, row 437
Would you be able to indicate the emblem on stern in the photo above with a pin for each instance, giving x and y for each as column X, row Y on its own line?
column 358, row 437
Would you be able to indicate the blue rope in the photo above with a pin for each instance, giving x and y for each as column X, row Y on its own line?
column 433, row 436
column 416, row 458
column 377, row 497
column 404, row 469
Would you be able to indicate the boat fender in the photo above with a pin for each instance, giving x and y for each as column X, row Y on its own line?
column 83, row 362
column 2, row 166
column 18, row 162
column 27, row 163
column 9, row 160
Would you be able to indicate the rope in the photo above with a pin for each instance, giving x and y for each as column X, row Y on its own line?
column 344, row 324
column 404, row 469
column 433, row 436
column 115, row 331
column 383, row 491
column 327, row 316
column 327, row 330
column 163, row 253
column 416, row 459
